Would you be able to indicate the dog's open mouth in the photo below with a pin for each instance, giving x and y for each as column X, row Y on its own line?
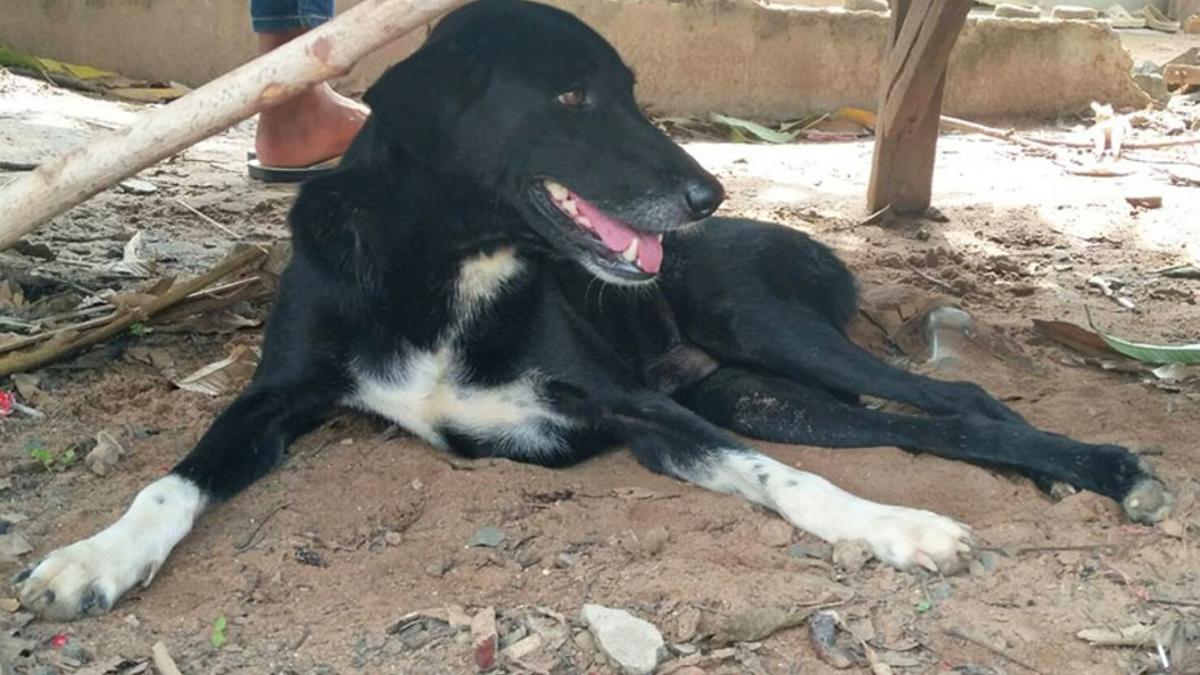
column 640, row 252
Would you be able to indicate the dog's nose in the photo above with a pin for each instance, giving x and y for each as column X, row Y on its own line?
column 703, row 197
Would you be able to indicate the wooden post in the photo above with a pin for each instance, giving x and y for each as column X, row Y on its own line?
column 324, row 52
column 910, row 102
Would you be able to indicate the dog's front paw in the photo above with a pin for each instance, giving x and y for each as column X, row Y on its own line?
column 85, row 578
column 907, row 538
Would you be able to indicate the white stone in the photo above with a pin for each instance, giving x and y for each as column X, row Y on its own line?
column 631, row 644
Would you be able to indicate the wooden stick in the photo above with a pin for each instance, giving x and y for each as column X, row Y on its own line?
column 122, row 319
column 163, row 661
column 324, row 52
column 206, row 218
column 910, row 102
column 956, row 633
column 1033, row 141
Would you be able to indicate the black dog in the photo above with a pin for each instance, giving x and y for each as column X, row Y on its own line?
column 441, row 279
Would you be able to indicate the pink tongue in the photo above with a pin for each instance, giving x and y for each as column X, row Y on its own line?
column 617, row 236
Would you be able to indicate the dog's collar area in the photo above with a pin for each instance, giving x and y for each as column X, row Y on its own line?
column 641, row 249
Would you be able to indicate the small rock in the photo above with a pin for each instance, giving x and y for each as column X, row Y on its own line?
column 105, row 455
column 988, row 560
column 487, row 537
column 1149, row 78
column 393, row 538
column 1087, row 507
column 307, row 556
column 817, row 550
column 632, row 645
column 1010, row 11
column 686, row 624
column 440, row 568
column 1074, row 12
column 134, row 186
column 866, row 5
column 73, row 651
column 10, row 605
column 583, row 642
column 13, row 545
column 565, row 560
column 484, row 638
column 941, row 590
column 524, row 647
column 851, row 555
column 1172, row 528
column 777, row 533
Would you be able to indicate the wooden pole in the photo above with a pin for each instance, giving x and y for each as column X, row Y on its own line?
column 324, row 52
column 910, row 102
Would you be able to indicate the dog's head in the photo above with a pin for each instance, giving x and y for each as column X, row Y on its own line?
column 536, row 108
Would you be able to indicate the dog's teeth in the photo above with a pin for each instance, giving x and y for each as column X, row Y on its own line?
column 569, row 206
column 556, row 191
column 584, row 221
column 658, row 237
column 630, row 254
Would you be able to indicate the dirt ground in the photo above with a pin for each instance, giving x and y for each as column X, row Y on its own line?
column 314, row 567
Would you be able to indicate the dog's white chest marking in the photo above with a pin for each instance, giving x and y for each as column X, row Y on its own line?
column 428, row 392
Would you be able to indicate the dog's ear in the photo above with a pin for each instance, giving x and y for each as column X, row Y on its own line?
column 417, row 101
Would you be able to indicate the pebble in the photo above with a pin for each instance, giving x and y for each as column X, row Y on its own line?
column 393, row 538
column 484, row 638
column 941, row 590
column 851, row 555
column 866, row 5
column 1009, row 11
column 1074, row 12
column 489, row 537
column 76, row 653
column 565, row 560
column 632, row 645
column 776, row 533
column 134, row 186
column 818, row 550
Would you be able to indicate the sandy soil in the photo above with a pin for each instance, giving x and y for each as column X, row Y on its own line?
column 312, row 566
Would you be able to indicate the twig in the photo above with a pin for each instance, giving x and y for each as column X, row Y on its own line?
column 249, row 540
column 7, row 165
column 122, row 319
column 956, row 633
column 41, row 337
column 933, row 280
column 1176, row 602
column 1104, row 548
column 163, row 661
column 206, row 218
column 1032, row 141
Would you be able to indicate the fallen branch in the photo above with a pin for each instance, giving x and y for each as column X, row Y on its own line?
column 206, row 218
column 123, row 318
column 956, row 633
column 933, row 280
column 324, row 52
column 1043, row 143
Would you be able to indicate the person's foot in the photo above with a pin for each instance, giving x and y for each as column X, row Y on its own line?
column 310, row 128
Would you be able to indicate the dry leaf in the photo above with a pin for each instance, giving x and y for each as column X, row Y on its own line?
column 223, row 376
column 134, row 260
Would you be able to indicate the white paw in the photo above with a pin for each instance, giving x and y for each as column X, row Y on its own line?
column 907, row 538
column 88, row 576
column 84, row 578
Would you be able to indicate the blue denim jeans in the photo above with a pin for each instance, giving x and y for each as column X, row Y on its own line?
column 278, row 16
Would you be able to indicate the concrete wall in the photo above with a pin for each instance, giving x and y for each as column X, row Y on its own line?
column 733, row 56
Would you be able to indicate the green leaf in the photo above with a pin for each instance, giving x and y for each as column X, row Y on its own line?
column 44, row 456
column 1148, row 353
column 138, row 329
column 924, row 606
column 67, row 458
column 757, row 130
column 217, row 638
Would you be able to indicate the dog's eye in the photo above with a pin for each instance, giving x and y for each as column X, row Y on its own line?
column 574, row 97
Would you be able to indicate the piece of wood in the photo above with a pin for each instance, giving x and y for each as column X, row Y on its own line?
column 1178, row 75
column 910, row 102
column 324, row 52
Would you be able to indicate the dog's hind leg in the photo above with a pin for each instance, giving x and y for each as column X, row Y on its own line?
column 669, row 439
column 778, row 410
column 244, row 442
